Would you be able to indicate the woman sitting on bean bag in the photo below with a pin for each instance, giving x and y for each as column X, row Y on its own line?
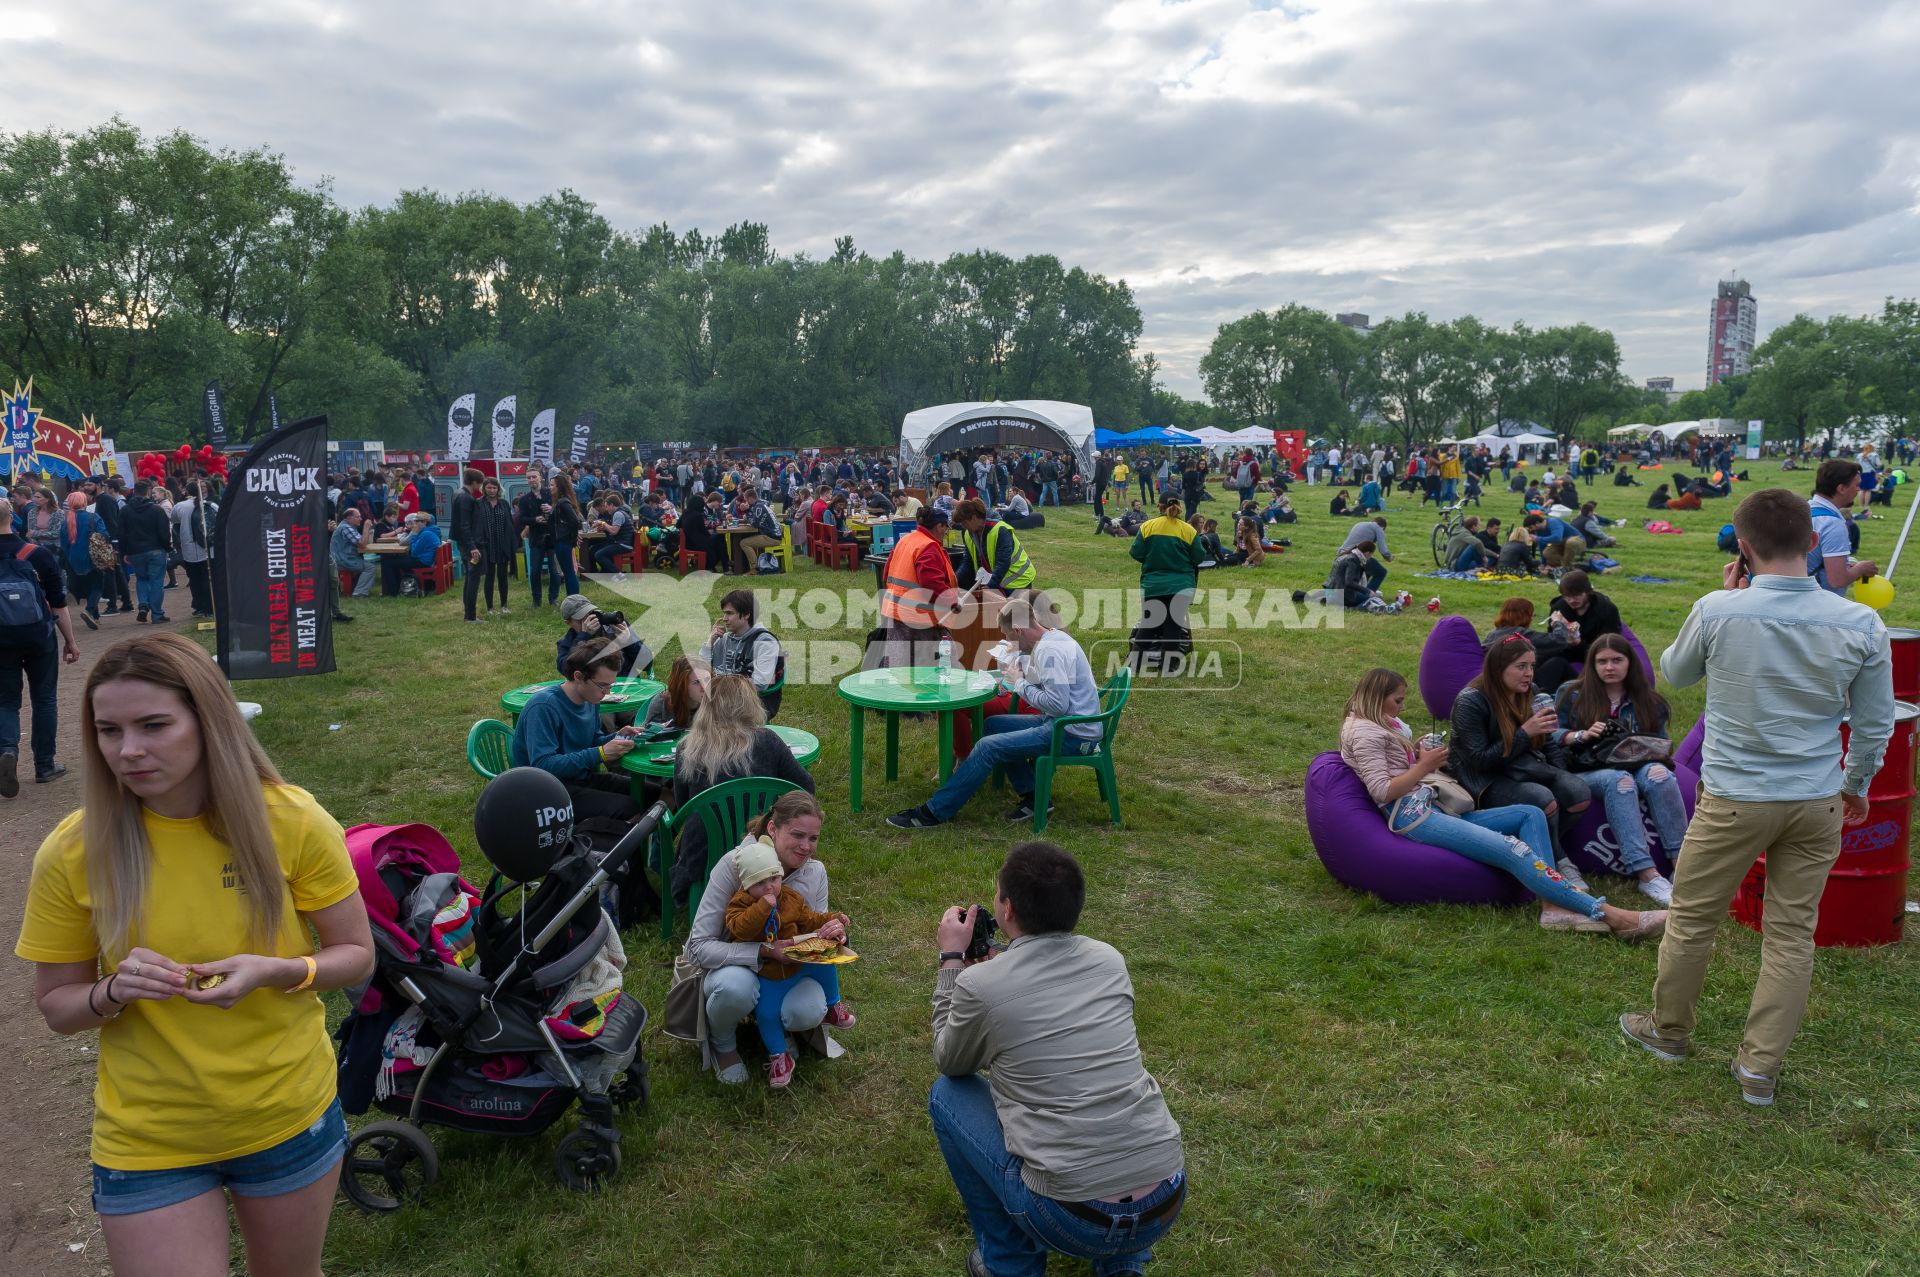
column 1614, row 687
column 1506, row 744
column 1376, row 745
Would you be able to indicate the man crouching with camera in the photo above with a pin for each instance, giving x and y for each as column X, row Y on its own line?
column 1067, row 1144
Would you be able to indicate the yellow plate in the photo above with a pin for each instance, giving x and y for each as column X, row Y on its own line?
column 838, row 958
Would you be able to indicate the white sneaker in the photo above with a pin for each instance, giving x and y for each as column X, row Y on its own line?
column 619, row 576
column 489, row 611
column 1658, row 890
column 1571, row 872
column 503, row 611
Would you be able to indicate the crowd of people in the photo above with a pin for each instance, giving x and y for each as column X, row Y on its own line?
column 1056, row 1136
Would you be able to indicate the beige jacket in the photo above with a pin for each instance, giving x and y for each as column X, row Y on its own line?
column 1375, row 754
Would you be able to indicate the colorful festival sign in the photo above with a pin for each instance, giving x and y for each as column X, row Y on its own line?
column 35, row 444
column 271, row 580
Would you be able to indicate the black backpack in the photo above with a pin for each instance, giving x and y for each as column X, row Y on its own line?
column 25, row 618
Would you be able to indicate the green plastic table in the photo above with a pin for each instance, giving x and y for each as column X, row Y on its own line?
column 893, row 692
column 648, row 758
column 629, row 694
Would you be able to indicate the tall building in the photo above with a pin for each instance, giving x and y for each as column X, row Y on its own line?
column 1353, row 319
column 1731, row 324
column 1661, row 385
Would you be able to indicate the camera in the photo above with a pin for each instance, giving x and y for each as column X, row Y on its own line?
column 984, row 930
column 610, row 620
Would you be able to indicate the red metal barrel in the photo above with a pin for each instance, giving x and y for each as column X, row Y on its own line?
column 1905, row 646
column 1866, row 897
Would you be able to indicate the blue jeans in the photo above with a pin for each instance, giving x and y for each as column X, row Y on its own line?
column 545, row 559
column 150, row 579
column 1376, row 573
column 1622, row 792
column 563, row 563
column 1050, row 494
column 1011, row 741
column 604, row 552
column 1470, row 560
column 773, row 1000
column 733, row 992
column 41, row 667
column 1014, row 1226
column 304, row 1158
column 1483, row 836
column 1447, row 487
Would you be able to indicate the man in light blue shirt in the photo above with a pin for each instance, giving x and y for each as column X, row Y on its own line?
column 1051, row 673
column 1784, row 661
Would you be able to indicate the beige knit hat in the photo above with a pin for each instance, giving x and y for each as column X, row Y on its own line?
column 756, row 862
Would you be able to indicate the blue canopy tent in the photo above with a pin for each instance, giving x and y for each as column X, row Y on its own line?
column 1165, row 436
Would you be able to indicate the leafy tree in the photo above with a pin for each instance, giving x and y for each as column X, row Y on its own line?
column 1292, row 368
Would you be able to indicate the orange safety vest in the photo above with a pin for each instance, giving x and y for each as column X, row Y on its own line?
column 904, row 598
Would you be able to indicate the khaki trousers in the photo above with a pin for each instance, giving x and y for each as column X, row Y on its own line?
column 746, row 551
column 1801, row 840
column 1567, row 553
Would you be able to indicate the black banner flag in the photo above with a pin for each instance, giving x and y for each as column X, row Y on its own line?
column 216, row 417
column 271, row 559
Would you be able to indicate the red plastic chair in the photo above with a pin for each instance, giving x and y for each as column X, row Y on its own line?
column 631, row 560
column 348, row 579
column 836, row 550
column 439, row 577
column 697, row 557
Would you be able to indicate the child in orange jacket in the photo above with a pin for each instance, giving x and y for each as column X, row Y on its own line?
column 766, row 910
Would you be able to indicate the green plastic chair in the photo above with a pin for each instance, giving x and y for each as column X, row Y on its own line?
column 725, row 809
column 488, row 747
column 1113, row 699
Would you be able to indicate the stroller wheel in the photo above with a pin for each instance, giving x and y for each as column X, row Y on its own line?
column 631, row 1090
column 585, row 1161
column 388, row 1164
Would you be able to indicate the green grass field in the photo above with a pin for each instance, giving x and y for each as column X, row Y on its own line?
column 1363, row 1089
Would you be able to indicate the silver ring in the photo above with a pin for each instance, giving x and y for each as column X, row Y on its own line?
column 136, row 968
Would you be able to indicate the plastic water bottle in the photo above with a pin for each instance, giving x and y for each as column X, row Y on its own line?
column 943, row 659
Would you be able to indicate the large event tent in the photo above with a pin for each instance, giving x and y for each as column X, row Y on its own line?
column 1023, row 423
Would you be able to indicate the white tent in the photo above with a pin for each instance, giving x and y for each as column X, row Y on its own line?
column 1674, row 429
column 1493, row 443
column 1215, row 437
column 1023, row 423
column 1254, row 437
column 1639, row 428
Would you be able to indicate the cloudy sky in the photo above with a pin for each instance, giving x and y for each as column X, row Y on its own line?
column 1604, row 160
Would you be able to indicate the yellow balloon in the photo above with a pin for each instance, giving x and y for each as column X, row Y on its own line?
column 1876, row 592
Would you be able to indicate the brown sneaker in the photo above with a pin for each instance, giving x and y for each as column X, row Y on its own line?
column 1638, row 1026
column 1754, row 1089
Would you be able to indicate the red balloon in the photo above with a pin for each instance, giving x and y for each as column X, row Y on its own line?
column 183, row 452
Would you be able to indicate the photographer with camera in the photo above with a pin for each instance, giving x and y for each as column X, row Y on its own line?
column 585, row 621
column 1066, row 1145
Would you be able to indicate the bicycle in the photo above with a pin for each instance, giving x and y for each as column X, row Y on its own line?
column 1452, row 520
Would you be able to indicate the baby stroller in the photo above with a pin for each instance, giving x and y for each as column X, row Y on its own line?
column 492, row 1014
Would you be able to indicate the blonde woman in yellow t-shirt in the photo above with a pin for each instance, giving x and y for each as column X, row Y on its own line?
column 176, row 913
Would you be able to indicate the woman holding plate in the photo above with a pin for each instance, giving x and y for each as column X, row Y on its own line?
column 717, row 978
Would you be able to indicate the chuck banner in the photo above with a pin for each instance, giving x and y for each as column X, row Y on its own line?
column 271, row 564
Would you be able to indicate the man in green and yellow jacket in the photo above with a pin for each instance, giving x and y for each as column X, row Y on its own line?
column 1169, row 553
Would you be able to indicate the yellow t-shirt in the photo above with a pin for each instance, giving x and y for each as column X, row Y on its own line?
column 182, row 1084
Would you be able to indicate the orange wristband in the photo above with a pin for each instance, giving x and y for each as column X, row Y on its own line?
column 313, row 969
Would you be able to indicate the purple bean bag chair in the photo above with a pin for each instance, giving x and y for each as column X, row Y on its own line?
column 1352, row 840
column 1593, row 834
column 1688, row 755
column 1450, row 660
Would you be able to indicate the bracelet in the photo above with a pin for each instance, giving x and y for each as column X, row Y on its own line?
column 947, row 955
column 313, row 969
column 108, row 981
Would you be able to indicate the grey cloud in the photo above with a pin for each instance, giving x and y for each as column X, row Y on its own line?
column 1538, row 162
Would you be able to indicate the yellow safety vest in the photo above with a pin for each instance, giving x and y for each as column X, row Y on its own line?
column 1020, row 573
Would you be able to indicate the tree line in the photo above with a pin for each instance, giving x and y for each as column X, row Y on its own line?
column 132, row 270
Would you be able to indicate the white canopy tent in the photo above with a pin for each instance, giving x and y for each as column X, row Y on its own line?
column 1253, row 437
column 1674, row 429
column 1493, row 443
column 1638, row 428
column 1215, row 437
column 1022, row 423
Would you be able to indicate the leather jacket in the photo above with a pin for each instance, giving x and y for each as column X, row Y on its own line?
column 1476, row 756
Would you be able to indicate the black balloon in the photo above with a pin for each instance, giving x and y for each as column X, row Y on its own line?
column 524, row 822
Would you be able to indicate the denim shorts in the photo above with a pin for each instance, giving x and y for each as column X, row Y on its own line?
column 287, row 1167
